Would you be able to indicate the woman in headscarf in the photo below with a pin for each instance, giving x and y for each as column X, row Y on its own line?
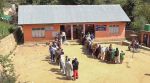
column 97, row 50
column 122, row 54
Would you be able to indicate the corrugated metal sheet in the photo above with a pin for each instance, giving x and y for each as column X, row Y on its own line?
column 49, row 14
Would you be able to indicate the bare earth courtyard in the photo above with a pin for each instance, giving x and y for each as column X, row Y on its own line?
column 32, row 66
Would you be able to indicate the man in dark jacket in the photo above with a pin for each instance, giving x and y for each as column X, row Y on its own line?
column 75, row 65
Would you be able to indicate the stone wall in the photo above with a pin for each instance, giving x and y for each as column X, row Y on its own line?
column 7, row 44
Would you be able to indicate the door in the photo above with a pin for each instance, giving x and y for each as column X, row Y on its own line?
column 62, row 27
column 145, row 39
column 77, row 29
column 89, row 28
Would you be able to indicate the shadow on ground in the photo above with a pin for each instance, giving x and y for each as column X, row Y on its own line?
column 85, row 52
column 147, row 74
column 57, row 71
column 47, row 59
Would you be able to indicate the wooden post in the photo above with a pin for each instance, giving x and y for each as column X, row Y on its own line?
column 141, row 39
column 71, row 32
column 148, row 40
column 84, row 28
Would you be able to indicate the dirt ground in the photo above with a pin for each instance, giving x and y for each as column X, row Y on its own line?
column 32, row 66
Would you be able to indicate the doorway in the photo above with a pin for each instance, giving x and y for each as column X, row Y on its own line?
column 145, row 39
column 89, row 28
column 67, row 29
column 77, row 29
column 62, row 28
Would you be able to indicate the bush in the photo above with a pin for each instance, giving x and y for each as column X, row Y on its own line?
column 5, row 29
column 7, row 73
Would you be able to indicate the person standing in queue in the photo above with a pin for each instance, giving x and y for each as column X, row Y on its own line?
column 63, row 36
column 69, row 69
column 75, row 65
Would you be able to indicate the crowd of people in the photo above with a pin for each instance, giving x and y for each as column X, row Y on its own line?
column 134, row 45
column 70, row 68
column 89, row 37
column 67, row 67
column 107, row 54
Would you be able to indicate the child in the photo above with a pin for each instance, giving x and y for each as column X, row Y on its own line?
column 121, row 57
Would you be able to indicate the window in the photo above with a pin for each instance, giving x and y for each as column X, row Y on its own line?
column 100, row 27
column 114, row 29
column 38, row 32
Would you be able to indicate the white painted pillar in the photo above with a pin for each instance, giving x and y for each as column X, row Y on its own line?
column 71, row 32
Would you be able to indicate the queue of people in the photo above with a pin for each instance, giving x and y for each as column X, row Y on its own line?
column 107, row 54
column 70, row 68
column 61, row 37
column 88, row 37
column 67, row 67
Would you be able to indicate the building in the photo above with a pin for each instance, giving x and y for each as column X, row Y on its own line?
column 43, row 22
column 145, row 35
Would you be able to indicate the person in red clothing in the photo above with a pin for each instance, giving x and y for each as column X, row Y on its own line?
column 75, row 65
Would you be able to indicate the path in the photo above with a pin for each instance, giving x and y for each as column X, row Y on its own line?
column 32, row 66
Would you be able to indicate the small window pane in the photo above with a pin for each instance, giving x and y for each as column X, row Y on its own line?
column 114, row 29
column 38, row 32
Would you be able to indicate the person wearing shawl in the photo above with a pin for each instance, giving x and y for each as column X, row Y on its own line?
column 62, row 63
column 69, row 69
column 116, row 55
column 121, row 57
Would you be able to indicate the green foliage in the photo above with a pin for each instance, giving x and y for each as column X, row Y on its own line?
column 143, row 10
column 141, row 14
column 121, row 2
column 1, row 5
column 6, row 29
column 4, row 3
column 37, row 2
column 7, row 73
column 139, row 23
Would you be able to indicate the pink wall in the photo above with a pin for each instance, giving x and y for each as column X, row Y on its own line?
column 27, row 29
column 106, row 35
column 100, row 35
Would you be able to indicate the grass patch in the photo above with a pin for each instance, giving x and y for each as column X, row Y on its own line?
column 5, row 29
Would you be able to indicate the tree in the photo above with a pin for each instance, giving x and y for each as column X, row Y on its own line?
column 139, row 23
column 141, row 14
column 1, row 5
column 37, row 2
